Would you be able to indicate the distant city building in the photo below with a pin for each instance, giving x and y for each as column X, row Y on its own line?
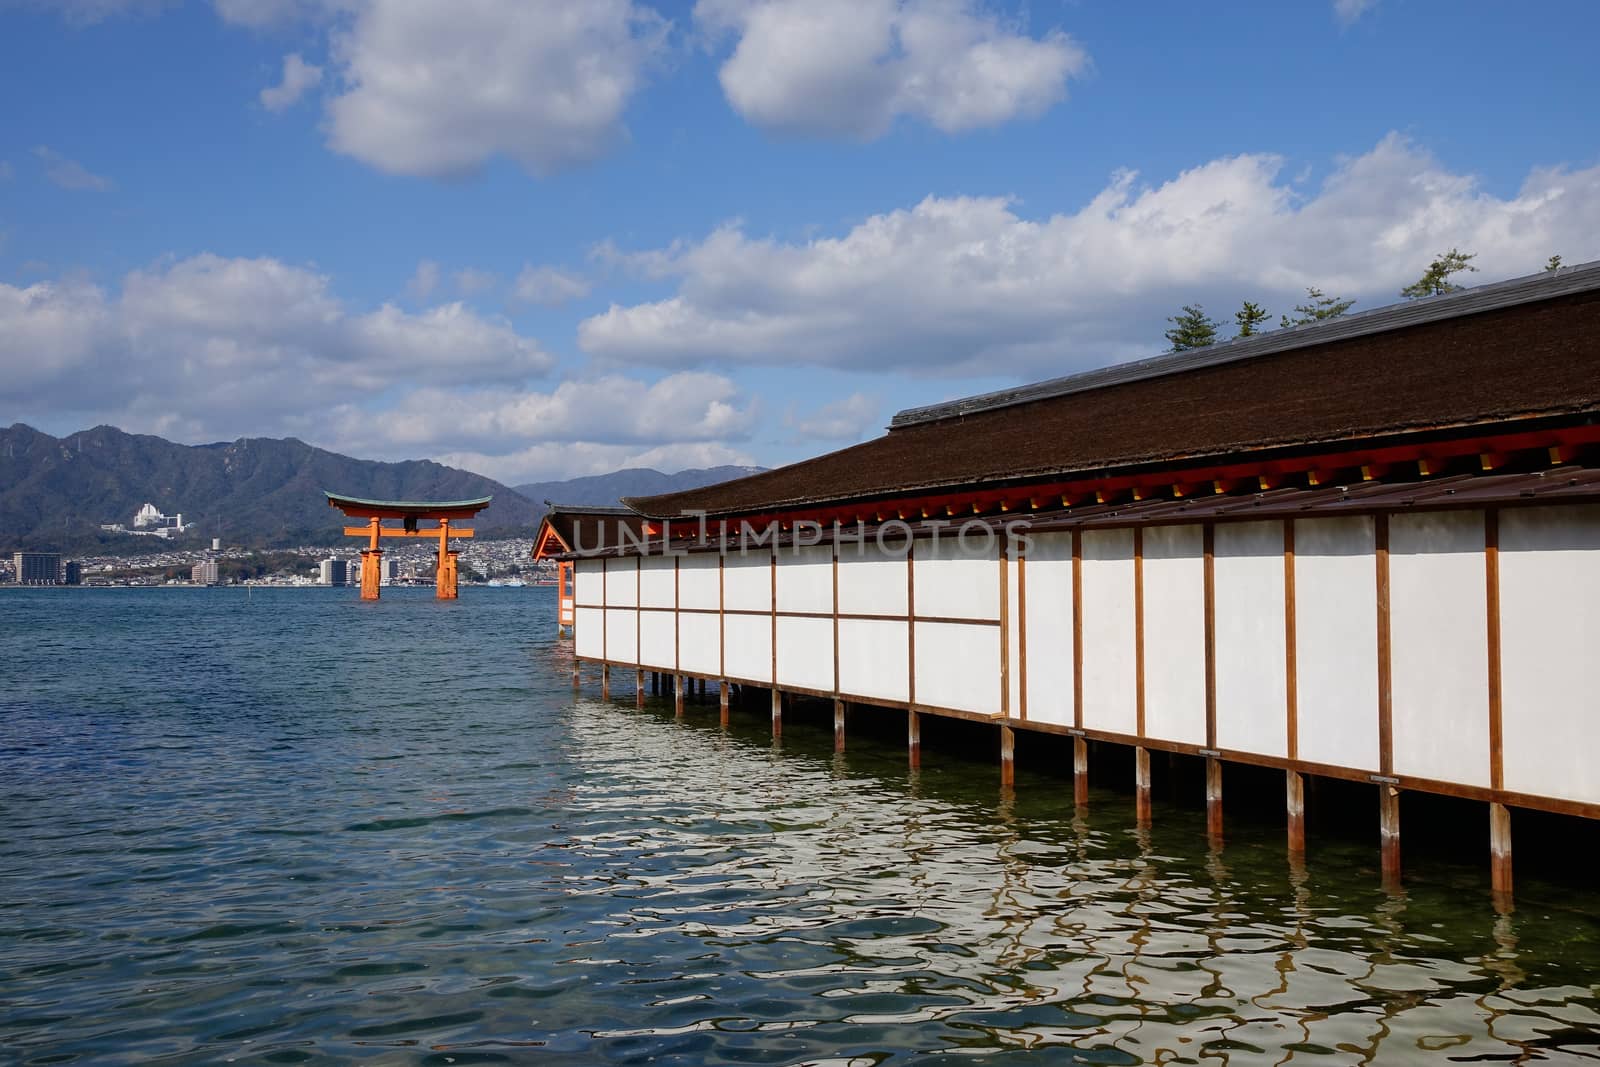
column 333, row 572
column 206, row 573
column 390, row 570
column 37, row 568
column 149, row 522
column 72, row 572
column 216, row 544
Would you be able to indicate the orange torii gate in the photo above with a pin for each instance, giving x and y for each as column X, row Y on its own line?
column 409, row 512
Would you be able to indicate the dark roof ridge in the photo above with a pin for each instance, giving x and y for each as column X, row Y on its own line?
column 1578, row 278
column 552, row 508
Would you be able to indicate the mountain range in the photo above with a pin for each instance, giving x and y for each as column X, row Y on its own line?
column 57, row 492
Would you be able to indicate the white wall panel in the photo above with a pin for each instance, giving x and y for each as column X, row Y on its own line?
column 1438, row 639
column 805, row 652
column 622, row 582
column 958, row 666
column 588, row 633
column 587, row 581
column 747, row 647
column 1175, row 634
column 656, row 581
column 1336, row 641
column 699, row 644
column 805, row 582
column 657, row 644
column 1550, row 634
column 747, row 582
column 698, row 581
column 958, row 581
column 1049, row 639
column 1252, row 672
column 622, row 635
column 872, row 584
column 1013, row 635
column 872, row 656
column 1109, row 698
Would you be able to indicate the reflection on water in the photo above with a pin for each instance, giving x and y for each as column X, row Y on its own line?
column 304, row 828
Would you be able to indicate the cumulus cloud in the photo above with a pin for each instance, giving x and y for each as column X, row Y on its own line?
column 471, row 281
column 971, row 285
column 547, row 286
column 849, row 418
column 298, row 77
column 69, row 173
column 440, row 89
column 849, row 68
column 88, row 12
column 218, row 347
column 580, row 427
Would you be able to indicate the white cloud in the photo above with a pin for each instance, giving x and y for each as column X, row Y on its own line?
column 1348, row 12
column 262, row 14
column 298, row 77
column 7, row 171
column 69, row 173
column 441, row 89
column 551, row 461
column 424, row 281
column 849, row 418
column 851, row 67
column 970, row 285
column 581, row 426
column 218, row 347
column 470, row 281
column 547, row 286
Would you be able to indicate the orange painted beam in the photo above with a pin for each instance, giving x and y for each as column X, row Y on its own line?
column 394, row 531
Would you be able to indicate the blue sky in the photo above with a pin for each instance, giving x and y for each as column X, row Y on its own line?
column 542, row 239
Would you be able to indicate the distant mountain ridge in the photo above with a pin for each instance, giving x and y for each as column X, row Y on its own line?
column 609, row 489
column 56, row 492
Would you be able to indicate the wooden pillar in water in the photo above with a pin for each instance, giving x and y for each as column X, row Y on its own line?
column 1008, row 756
column 605, row 681
column 677, row 695
column 913, row 738
column 444, row 580
column 577, row 672
column 1389, row 831
column 638, row 687
column 701, row 699
column 1213, row 798
column 1141, row 785
column 777, row 712
column 1500, row 849
column 838, row 726
column 1295, row 797
column 722, row 701
column 371, row 564
column 1080, row 772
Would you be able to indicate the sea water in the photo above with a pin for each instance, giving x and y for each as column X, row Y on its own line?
column 290, row 826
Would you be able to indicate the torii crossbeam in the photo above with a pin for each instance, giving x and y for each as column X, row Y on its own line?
column 410, row 512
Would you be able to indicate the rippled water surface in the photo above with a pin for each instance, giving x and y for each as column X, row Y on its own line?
column 296, row 827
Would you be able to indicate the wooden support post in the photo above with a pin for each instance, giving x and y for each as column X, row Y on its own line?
column 638, row 687
column 777, row 712
column 605, row 681
column 838, row 726
column 1080, row 772
column 1295, row 795
column 371, row 564
column 914, row 738
column 1008, row 757
column 1214, row 798
column 702, row 696
column 1500, row 849
column 655, row 683
column 1389, row 831
column 722, row 701
column 444, row 579
column 1141, row 785
column 577, row 672
column 677, row 695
